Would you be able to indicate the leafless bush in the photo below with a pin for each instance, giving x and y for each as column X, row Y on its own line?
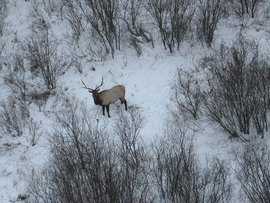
column 13, row 116
column 88, row 164
column 136, row 27
column 134, row 161
column 40, row 99
column 132, row 13
column 173, row 19
column 128, row 127
column 252, row 171
column 111, row 23
column 187, row 95
column 266, row 11
column 239, row 82
column 209, row 14
column 103, row 18
column 16, row 80
column 176, row 167
column 38, row 182
column 2, row 46
column 34, row 131
column 178, row 174
column 217, row 184
column 242, row 7
column 21, row 84
column 135, row 43
column 72, row 14
column 41, row 49
column 3, row 14
column 51, row 6
column 44, row 59
column 82, row 166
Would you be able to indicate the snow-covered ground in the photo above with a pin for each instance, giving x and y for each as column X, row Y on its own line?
column 147, row 79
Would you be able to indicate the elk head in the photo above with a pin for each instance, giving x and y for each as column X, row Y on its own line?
column 95, row 92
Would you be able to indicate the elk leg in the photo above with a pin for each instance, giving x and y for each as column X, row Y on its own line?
column 103, row 109
column 107, row 107
column 125, row 104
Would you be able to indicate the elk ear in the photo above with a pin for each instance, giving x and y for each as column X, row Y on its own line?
column 98, row 89
column 90, row 91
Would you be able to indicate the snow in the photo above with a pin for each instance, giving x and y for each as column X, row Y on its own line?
column 147, row 80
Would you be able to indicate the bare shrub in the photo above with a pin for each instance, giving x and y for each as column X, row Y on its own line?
column 51, row 6
column 209, row 14
column 239, row 83
column 40, row 99
column 17, row 80
column 82, row 163
column 71, row 12
column 242, row 7
column 136, row 27
column 38, row 182
column 13, row 116
column 173, row 20
column 252, row 172
column 128, row 127
column 2, row 46
column 135, row 43
column 103, row 18
column 187, row 95
column 34, row 131
column 41, row 49
column 3, row 14
column 15, row 112
column 176, row 169
column 217, row 182
column 178, row 174
column 133, row 158
column 132, row 13
column 44, row 59
column 20, row 83
column 88, row 164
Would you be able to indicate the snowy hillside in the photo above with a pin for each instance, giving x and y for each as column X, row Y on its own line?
column 150, row 80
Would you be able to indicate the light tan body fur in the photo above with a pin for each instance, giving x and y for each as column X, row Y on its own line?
column 110, row 96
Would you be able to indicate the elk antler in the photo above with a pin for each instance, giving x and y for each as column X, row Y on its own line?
column 100, row 84
column 86, row 86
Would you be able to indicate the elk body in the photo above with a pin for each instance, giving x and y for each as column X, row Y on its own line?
column 107, row 97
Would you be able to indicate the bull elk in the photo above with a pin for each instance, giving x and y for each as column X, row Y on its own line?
column 107, row 97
